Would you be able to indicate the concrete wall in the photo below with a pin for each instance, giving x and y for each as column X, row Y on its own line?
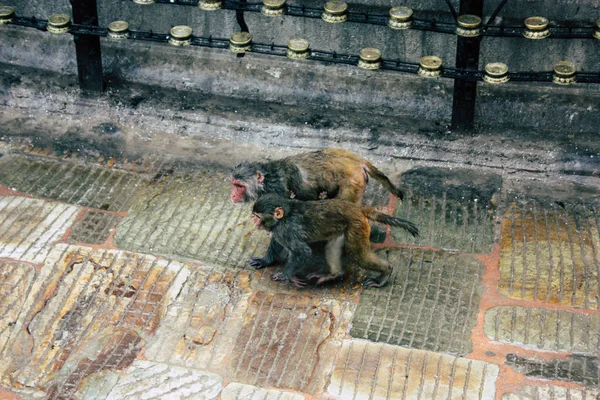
column 281, row 80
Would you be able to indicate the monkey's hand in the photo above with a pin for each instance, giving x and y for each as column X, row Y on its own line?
column 323, row 195
column 299, row 283
column 258, row 263
column 279, row 277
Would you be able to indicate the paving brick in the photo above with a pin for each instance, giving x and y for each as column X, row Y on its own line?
column 551, row 392
column 15, row 284
column 100, row 188
column 192, row 216
column 288, row 341
column 201, row 324
column 148, row 380
column 236, row 391
column 373, row 370
column 551, row 254
column 431, row 302
column 452, row 208
column 575, row 368
column 554, row 330
column 87, row 312
column 28, row 227
column 94, row 228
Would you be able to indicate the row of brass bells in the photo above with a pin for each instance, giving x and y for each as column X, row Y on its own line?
column 6, row 14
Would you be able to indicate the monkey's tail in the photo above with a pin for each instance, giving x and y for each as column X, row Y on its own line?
column 384, row 180
column 389, row 220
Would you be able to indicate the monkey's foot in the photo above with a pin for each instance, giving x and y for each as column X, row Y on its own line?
column 257, row 263
column 324, row 278
column 322, row 195
column 279, row 277
column 372, row 282
column 299, row 283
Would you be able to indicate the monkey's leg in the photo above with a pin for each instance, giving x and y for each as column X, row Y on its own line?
column 333, row 255
column 273, row 253
column 359, row 249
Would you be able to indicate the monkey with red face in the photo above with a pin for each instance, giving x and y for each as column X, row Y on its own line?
column 345, row 226
column 328, row 173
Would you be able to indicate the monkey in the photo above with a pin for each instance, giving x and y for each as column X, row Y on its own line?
column 294, row 225
column 315, row 175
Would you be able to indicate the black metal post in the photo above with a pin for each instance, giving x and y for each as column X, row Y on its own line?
column 87, row 47
column 239, row 16
column 467, row 56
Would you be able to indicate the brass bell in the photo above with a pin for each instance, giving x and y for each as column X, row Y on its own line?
column 298, row 49
column 6, row 14
column 181, row 35
column 400, row 17
column 273, row 8
column 496, row 73
column 430, row 66
column 536, row 28
column 468, row 26
column 597, row 31
column 210, row 5
column 564, row 73
column 143, row 1
column 118, row 30
column 240, row 42
column 59, row 23
column 335, row 12
column 369, row 58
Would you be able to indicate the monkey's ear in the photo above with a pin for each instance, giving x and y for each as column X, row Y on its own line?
column 278, row 214
column 259, row 177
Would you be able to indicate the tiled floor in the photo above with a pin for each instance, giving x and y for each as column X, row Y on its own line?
column 125, row 284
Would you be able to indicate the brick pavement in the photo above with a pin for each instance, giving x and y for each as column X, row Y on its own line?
column 132, row 283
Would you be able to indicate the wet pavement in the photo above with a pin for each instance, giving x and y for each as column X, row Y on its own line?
column 128, row 280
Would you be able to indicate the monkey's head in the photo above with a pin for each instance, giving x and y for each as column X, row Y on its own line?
column 269, row 210
column 246, row 182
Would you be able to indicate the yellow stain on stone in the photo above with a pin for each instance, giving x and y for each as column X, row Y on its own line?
column 549, row 256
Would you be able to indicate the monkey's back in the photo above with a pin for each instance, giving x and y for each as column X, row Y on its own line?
column 328, row 168
column 324, row 219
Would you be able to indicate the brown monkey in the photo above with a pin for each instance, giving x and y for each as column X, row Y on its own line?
column 329, row 173
column 345, row 226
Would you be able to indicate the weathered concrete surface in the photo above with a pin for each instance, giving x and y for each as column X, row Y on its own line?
column 550, row 253
column 28, row 227
column 373, row 370
column 94, row 227
column 288, row 341
column 575, row 368
column 191, row 216
column 536, row 328
column 454, row 208
column 431, row 302
column 235, row 391
column 551, row 392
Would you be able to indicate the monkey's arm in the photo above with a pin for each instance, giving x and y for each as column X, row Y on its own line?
column 299, row 253
column 273, row 252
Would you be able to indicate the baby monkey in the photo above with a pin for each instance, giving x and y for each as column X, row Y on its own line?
column 344, row 225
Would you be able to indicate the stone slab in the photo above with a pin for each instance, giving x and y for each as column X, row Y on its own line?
column 574, row 368
column 367, row 370
column 288, row 341
column 453, row 208
column 549, row 253
column 536, row 328
column 235, row 391
column 87, row 312
column 93, row 228
column 148, row 380
column 431, row 302
column 551, row 392
column 192, row 216
column 29, row 227
column 201, row 323
column 102, row 188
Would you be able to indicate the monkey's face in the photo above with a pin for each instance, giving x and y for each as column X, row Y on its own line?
column 238, row 191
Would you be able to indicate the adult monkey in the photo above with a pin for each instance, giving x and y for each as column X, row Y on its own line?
column 345, row 226
column 315, row 175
